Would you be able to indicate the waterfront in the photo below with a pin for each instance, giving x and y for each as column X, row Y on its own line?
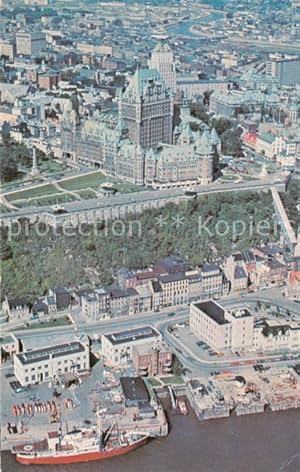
column 184, row 28
column 268, row 442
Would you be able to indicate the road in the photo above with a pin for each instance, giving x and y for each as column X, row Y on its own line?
column 161, row 321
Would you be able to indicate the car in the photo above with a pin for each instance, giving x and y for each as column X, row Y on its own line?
column 186, row 371
column 9, row 375
column 171, row 314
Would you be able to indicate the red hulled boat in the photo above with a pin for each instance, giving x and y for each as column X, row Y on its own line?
column 82, row 445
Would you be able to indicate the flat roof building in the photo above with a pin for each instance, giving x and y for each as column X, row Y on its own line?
column 222, row 329
column 30, row 44
column 208, row 321
column 135, row 391
column 117, row 347
column 41, row 365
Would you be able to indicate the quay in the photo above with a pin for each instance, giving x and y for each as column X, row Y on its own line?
column 227, row 393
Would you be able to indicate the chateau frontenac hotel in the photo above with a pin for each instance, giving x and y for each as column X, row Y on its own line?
column 142, row 146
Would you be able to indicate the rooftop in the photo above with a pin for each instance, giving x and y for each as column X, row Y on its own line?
column 132, row 335
column 213, row 310
column 30, row 357
column 134, row 389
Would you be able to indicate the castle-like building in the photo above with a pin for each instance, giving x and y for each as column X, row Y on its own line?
column 147, row 107
column 143, row 148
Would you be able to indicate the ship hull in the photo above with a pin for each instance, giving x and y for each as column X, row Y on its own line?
column 80, row 457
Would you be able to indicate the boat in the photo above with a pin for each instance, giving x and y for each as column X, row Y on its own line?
column 80, row 445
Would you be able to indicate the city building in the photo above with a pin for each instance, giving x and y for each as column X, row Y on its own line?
column 16, row 308
column 7, row 49
column 214, row 281
column 9, row 345
column 174, row 289
column 277, row 336
column 48, row 80
column 150, row 361
column 162, row 59
column 220, row 328
column 62, row 298
column 192, row 159
column 193, row 87
column 285, row 70
column 147, row 108
column 30, row 44
column 208, row 322
column 117, row 348
column 42, row 365
column 237, row 273
column 135, row 392
column 96, row 305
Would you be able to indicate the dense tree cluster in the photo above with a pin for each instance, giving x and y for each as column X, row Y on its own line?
column 291, row 202
column 201, row 229
column 12, row 157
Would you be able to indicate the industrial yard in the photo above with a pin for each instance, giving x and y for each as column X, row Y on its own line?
column 258, row 389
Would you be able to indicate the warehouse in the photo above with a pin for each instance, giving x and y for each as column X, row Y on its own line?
column 46, row 364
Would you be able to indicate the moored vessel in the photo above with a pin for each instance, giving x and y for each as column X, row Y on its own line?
column 81, row 445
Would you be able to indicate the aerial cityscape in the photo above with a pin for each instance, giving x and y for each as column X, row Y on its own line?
column 150, row 235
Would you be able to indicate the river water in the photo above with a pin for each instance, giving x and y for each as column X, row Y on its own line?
column 184, row 27
column 269, row 442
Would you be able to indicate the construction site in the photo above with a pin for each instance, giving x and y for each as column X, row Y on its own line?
column 258, row 389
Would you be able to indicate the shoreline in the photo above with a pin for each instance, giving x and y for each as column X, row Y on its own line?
column 188, row 434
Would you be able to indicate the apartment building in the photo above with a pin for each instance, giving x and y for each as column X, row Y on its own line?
column 214, row 282
column 277, row 336
column 16, row 308
column 96, row 305
column 285, row 70
column 221, row 329
column 208, row 321
column 30, row 44
column 7, row 49
column 162, row 59
column 42, row 365
column 117, row 348
column 174, row 289
column 149, row 360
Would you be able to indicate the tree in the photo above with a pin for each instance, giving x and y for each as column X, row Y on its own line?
column 5, row 249
column 231, row 143
column 221, row 125
column 8, row 166
column 5, row 133
column 200, row 111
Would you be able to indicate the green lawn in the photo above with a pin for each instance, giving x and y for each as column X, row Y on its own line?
column 40, row 191
column 84, row 181
column 173, row 379
column 51, row 167
column 85, row 194
column 154, row 382
column 52, row 200
column 48, row 194
column 125, row 187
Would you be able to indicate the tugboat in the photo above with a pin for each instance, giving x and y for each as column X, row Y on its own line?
column 80, row 445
